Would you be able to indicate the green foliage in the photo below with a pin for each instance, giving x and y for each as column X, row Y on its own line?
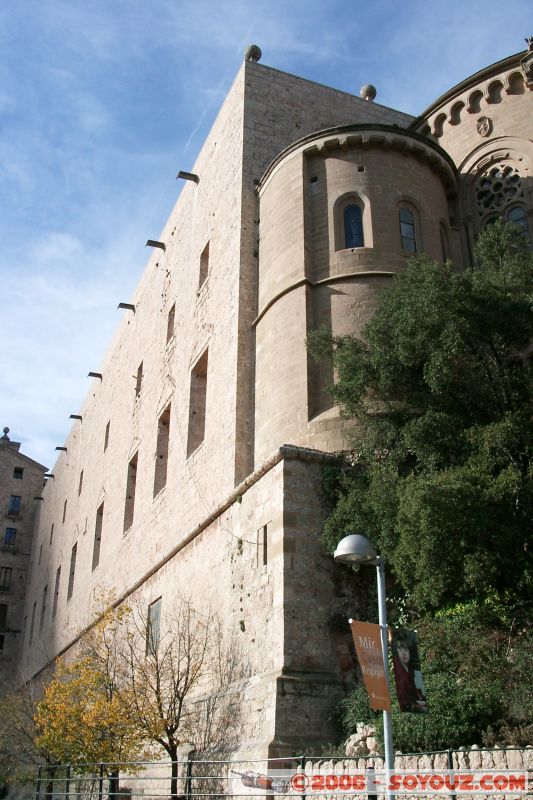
column 440, row 474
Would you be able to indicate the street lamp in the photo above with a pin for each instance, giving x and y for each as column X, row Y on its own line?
column 357, row 549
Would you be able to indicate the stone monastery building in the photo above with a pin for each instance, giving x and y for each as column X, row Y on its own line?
column 194, row 464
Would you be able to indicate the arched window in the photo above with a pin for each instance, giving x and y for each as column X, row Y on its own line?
column 444, row 243
column 353, row 227
column 517, row 215
column 407, row 230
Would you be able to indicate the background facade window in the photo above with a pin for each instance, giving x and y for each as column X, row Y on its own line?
column 353, row 227
column 13, row 508
column 407, row 230
column 5, row 578
column 18, row 473
column 72, row 571
column 153, row 626
column 3, row 617
column 10, row 538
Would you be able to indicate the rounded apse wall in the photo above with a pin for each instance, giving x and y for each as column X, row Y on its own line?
column 340, row 213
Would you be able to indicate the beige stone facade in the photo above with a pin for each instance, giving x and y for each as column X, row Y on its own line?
column 196, row 465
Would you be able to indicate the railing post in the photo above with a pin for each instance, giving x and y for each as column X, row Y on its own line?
column 302, row 768
column 449, row 758
column 38, row 783
column 101, row 782
column 188, row 781
column 67, row 783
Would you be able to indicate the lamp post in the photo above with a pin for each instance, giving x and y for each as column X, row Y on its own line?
column 357, row 549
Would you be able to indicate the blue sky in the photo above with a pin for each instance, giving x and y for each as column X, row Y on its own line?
column 102, row 101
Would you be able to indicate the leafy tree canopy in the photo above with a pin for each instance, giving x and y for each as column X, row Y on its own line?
column 440, row 479
column 441, row 388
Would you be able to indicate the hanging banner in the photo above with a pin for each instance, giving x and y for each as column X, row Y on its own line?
column 410, row 689
column 367, row 640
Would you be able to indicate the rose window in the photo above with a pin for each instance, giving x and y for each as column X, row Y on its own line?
column 498, row 186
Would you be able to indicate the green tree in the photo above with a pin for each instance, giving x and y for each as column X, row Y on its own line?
column 85, row 713
column 440, row 471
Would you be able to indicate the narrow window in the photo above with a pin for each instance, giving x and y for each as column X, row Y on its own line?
column 18, row 472
column 64, row 510
column 197, row 404
column 98, row 536
column 353, row 227
column 43, row 607
column 204, row 265
column 40, row 554
column 131, row 483
column 518, row 216
column 153, row 627
column 13, row 509
column 444, row 244
column 407, row 230
column 32, row 624
column 51, row 534
column 56, row 591
column 262, row 546
column 170, row 322
column 139, row 380
column 161, row 456
column 72, row 571
column 3, row 616
column 80, row 483
column 10, row 538
column 5, row 578
column 106, row 437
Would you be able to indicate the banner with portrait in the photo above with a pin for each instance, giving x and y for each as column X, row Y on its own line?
column 410, row 689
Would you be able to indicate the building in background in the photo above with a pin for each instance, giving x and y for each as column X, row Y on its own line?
column 21, row 486
column 194, row 464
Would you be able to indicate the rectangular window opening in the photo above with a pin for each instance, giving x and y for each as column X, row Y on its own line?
column 51, row 534
column 161, row 455
column 72, row 571
column 18, row 472
column 64, row 511
column 10, row 538
column 197, row 404
column 32, row 623
column 106, row 437
column 131, row 483
column 3, row 617
column 56, row 591
column 43, row 608
column 80, row 483
column 98, row 535
column 153, row 627
column 5, row 578
column 262, row 546
column 13, row 508
column 204, row 266
column 171, row 319
column 139, row 380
